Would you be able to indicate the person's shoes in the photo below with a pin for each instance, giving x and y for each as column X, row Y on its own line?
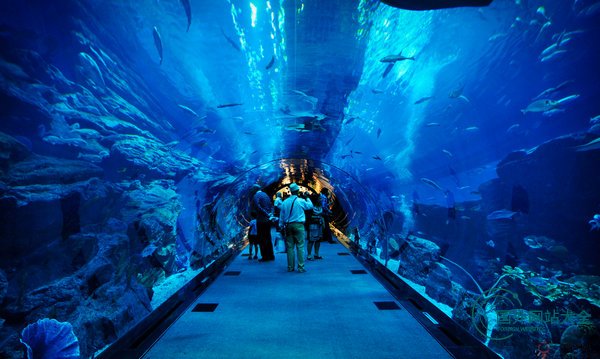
column 301, row 270
column 255, row 257
column 262, row 260
column 290, row 269
column 250, row 257
column 318, row 257
column 332, row 242
column 309, row 258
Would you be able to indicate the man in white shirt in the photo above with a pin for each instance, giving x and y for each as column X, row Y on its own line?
column 292, row 219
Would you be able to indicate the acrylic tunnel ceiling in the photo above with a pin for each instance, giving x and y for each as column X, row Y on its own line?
column 240, row 84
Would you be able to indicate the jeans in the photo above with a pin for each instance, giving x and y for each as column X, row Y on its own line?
column 294, row 239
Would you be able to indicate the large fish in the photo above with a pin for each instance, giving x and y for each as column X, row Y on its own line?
column 229, row 105
column 431, row 183
column 542, row 105
column 230, row 41
column 188, row 110
column 396, row 58
column 590, row 146
column 423, row 99
column 567, row 99
column 188, row 12
column 158, row 43
column 552, row 90
column 270, row 64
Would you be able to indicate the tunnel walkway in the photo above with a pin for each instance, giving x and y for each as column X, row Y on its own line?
column 334, row 310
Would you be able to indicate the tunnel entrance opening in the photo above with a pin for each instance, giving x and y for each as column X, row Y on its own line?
column 355, row 211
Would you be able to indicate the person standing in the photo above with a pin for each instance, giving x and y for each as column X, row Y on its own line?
column 261, row 205
column 276, row 211
column 292, row 218
column 315, row 228
column 252, row 239
column 326, row 215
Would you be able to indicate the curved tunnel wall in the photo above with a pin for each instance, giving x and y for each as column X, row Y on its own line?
column 354, row 206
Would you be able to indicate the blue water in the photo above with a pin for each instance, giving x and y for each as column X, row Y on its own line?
column 274, row 92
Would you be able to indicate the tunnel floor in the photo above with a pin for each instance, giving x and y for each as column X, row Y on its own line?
column 334, row 310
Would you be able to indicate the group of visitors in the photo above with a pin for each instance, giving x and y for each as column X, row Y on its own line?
column 300, row 218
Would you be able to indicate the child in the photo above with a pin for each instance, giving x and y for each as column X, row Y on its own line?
column 253, row 238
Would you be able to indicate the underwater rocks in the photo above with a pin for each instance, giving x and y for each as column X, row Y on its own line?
column 11, row 150
column 140, row 155
column 152, row 210
column 3, row 285
column 522, row 343
column 440, row 287
column 580, row 341
column 417, row 258
column 100, row 299
column 42, row 170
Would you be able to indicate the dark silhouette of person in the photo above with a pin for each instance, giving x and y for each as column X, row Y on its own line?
column 325, row 199
column 261, row 205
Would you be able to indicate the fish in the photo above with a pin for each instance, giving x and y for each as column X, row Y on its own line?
column 91, row 70
column 423, row 99
column 188, row 110
column 376, row 157
column 310, row 99
column 378, row 132
column 376, row 91
column 595, row 223
column 553, row 55
column 513, row 128
column 546, row 25
column 501, row 214
column 497, row 36
column 548, row 50
column 229, row 105
column 158, row 43
column 396, row 58
column 552, row 90
column 447, row 153
column 270, row 64
column 595, row 120
column 432, row 124
column 542, row 105
column 567, row 99
column 590, row 146
column 491, row 243
column 188, row 12
column 472, row 129
column 542, row 11
column 431, row 183
column 466, row 218
column 350, row 119
column 590, row 10
column 388, row 69
column 230, row 41
column 357, row 152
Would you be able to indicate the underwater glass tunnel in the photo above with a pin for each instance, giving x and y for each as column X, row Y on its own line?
column 460, row 147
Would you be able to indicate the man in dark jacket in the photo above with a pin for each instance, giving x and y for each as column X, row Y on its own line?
column 261, row 205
